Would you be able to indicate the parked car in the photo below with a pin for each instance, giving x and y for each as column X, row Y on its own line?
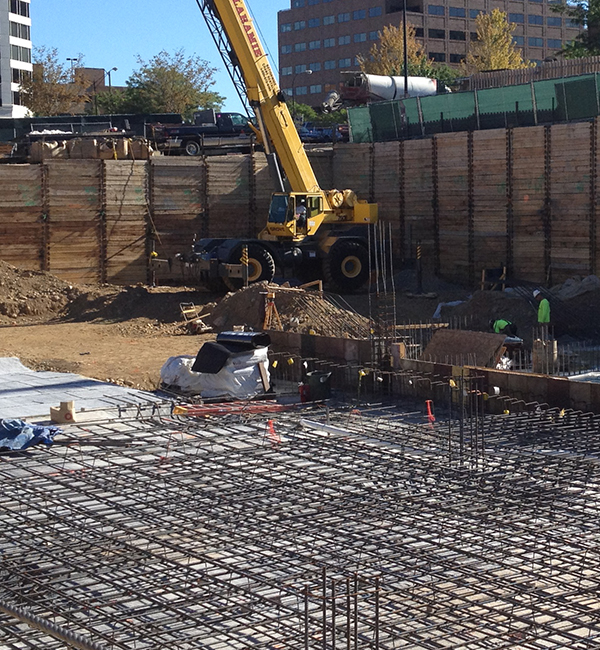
column 311, row 133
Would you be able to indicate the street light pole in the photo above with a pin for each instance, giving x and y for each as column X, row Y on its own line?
column 309, row 71
column 72, row 62
column 95, row 87
column 405, row 49
column 109, row 79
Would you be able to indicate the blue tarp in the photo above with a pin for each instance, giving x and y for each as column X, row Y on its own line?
column 17, row 434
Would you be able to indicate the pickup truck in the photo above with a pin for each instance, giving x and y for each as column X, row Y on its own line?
column 209, row 132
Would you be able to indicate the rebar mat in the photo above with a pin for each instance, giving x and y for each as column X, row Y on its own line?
column 359, row 528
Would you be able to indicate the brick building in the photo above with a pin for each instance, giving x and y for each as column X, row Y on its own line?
column 319, row 39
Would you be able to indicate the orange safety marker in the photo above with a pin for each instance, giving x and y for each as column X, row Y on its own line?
column 273, row 435
column 430, row 415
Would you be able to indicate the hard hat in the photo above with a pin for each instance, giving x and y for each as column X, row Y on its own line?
column 536, row 293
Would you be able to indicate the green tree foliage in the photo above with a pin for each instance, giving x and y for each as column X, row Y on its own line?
column 586, row 14
column 167, row 83
column 494, row 48
column 304, row 113
column 52, row 89
column 387, row 57
column 445, row 74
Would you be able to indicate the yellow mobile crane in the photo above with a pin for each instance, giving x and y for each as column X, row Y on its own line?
column 317, row 233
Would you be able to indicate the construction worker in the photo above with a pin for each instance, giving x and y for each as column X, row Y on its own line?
column 503, row 326
column 543, row 308
column 300, row 213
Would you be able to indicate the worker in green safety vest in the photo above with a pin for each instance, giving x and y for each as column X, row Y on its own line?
column 503, row 326
column 543, row 314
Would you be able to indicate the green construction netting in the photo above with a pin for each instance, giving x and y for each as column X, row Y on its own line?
column 577, row 99
column 452, row 112
column 545, row 101
column 386, row 121
column 507, row 106
column 411, row 114
column 360, row 124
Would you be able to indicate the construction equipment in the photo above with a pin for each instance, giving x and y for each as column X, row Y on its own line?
column 271, row 314
column 332, row 242
column 361, row 88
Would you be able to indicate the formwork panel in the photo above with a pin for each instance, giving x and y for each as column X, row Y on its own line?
column 21, row 210
column 418, row 195
column 453, row 191
column 387, row 190
column 352, row 168
column 489, row 199
column 178, row 209
column 529, row 203
column 126, row 214
column 570, row 190
column 230, row 196
column 75, row 228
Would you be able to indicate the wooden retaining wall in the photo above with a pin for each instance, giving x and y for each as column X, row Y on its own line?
column 545, row 70
column 525, row 197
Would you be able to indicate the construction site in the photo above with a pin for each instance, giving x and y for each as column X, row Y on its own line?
column 345, row 399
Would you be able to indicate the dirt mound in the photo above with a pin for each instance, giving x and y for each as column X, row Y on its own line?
column 578, row 317
column 299, row 310
column 487, row 305
column 117, row 304
column 32, row 293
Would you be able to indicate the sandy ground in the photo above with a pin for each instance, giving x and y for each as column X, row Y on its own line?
column 97, row 350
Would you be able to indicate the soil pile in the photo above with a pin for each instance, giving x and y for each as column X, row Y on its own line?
column 117, row 304
column 491, row 305
column 299, row 311
column 577, row 317
column 35, row 294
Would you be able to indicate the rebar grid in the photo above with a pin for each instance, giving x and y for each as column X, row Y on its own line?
column 160, row 533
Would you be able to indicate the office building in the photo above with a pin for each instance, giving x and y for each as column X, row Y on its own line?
column 15, row 55
column 319, row 39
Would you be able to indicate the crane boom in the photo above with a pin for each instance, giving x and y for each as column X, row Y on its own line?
column 317, row 233
column 248, row 56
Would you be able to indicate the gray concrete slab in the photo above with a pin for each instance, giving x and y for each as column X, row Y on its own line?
column 25, row 393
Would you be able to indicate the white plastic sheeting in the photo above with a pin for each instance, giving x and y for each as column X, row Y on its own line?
column 239, row 378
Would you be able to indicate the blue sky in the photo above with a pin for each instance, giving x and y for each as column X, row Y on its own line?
column 111, row 33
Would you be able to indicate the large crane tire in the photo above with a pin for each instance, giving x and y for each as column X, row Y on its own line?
column 261, row 266
column 346, row 267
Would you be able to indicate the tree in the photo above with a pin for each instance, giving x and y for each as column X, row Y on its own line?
column 387, row 56
column 494, row 48
column 167, row 83
column 586, row 14
column 305, row 113
column 52, row 88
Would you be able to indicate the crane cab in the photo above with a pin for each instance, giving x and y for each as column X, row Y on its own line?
column 294, row 216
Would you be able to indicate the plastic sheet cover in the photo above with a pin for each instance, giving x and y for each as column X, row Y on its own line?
column 239, row 378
